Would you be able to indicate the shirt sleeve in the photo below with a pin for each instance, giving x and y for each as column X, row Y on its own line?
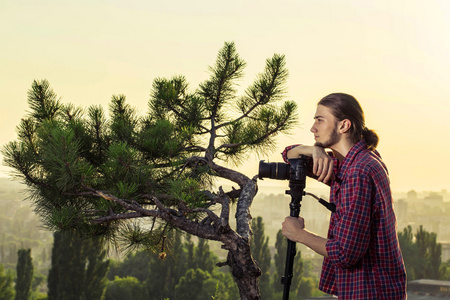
column 350, row 235
column 284, row 153
column 309, row 163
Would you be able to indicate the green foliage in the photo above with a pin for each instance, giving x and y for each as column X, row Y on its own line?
column 125, row 288
column 166, row 273
column 186, row 264
column 6, row 284
column 43, row 101
column 445, row 270
column 220, row 88
column 97, row 174
column 189, row 192
column 190, row 286
column 78, row 268
column 135, row 264
column 24, row 274
column 422, row 254
column 62, row 149
column 305, row 288
column 97, row 267
column 203, row 257
column 259, row 245
column 409, row 251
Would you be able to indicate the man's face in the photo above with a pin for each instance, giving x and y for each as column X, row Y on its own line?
column 325, row 128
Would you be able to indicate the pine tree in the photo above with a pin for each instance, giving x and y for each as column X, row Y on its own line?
column 261, row 253
column 205, row 259
column 97, row 267
column 78, row 269
column 97, row 174
column 409, row 251
column 71, row 265
column 421, row 253
column 53, row 274
column 429, row 255
column 24, row 274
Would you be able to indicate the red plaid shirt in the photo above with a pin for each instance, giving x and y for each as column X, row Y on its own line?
column 364, row 258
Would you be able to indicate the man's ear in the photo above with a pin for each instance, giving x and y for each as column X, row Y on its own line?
column 345, row 126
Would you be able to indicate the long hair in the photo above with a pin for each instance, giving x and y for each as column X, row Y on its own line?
column 344, row 106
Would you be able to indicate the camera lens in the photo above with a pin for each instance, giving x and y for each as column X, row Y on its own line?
column 275, row 170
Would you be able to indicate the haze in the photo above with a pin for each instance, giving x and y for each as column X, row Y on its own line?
column 393, row 56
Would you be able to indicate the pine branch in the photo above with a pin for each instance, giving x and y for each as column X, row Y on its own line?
column 225, row 214
column 116, row 216
column 245, row 115
column 171, row 216
column 194, row 149
column 255, row 141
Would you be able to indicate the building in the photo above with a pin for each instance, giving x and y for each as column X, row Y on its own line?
column 429, row 287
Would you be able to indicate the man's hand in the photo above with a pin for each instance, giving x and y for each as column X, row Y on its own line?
column 292, row 228
column 322, row 165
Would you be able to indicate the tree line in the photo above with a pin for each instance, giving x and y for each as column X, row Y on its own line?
column 20, row 228
column 185, row 269
column 182, row 269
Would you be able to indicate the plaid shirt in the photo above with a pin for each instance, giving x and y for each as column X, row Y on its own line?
column 364, row 259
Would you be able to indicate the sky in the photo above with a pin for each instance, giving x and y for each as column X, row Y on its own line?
column 392, row 55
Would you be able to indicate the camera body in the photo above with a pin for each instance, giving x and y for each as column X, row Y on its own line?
column 294, row 171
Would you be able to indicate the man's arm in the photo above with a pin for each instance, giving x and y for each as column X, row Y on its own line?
column 351, row 233
column 294, row 229
column 322, row 162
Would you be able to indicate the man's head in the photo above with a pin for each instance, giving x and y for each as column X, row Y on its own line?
column 325, row 128
column 349, row 116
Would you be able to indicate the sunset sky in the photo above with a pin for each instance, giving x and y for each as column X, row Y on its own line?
column 392, row 55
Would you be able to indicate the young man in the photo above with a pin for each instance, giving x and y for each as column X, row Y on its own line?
column 362, row 258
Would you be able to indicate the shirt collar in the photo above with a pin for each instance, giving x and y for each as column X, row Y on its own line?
column 351, row 155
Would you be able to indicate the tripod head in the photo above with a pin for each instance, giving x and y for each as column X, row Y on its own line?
column 295, row 172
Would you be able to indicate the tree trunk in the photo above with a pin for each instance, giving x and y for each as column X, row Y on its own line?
column 244, row 269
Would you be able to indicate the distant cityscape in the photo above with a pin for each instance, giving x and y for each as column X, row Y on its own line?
column 21, row 228
column 429, row 209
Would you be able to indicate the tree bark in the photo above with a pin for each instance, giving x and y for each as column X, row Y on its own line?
column 244, row 269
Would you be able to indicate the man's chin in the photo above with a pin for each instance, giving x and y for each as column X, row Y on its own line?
column 318, row 144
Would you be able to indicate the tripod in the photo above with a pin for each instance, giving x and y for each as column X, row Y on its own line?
column 296, row 185
column 295, row 171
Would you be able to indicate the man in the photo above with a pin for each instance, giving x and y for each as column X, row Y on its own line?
column 362, row 258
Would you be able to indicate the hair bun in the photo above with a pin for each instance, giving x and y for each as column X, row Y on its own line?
column 370, row 137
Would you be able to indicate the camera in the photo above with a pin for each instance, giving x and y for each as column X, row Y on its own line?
column 295, row 170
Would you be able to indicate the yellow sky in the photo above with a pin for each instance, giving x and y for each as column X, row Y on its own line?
column 392, row 55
